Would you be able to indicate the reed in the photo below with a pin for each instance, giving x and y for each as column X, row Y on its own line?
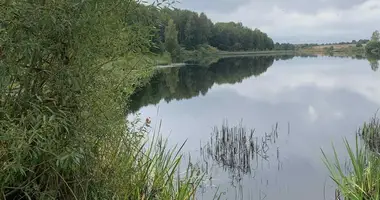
column 237, row 149
column 360, row 178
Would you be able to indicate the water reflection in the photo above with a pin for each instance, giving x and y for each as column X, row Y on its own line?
column 373, row 61
column 190, row 81
column 237, row 151
column 177, row 83
column 324, row 98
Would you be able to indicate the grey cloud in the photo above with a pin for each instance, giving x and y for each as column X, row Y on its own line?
column 305, row 6
column 211, row 5
column 297, row 21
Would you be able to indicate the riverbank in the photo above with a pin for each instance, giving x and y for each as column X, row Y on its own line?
column 256, row 53
column 341, row 50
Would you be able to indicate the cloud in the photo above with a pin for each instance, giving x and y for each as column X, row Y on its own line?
column 312, row 113
column 328, row 85
column 298, row 20
column 329, row 74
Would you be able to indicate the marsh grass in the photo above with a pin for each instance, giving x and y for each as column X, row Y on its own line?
column 360, row 178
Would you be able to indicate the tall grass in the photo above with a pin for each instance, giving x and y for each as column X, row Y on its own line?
column 370, row 133
column 66, row 70
column 361, row 179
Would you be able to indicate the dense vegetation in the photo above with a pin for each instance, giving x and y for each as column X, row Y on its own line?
column 194, row 30
column 66, row 68
column 187, row 82
column 358, row 43
column 284, row 46
column 373, row 46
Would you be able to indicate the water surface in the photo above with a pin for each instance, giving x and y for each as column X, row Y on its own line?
column 295, row 105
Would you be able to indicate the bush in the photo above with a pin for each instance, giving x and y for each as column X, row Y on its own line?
column 359, row 45
column 66, row 69
column 373, row 47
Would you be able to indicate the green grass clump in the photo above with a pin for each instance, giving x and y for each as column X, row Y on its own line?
column 370, row 133
column 66, row 70
column 361, row 179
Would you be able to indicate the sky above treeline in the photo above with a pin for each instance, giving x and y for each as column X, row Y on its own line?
column 296, row 21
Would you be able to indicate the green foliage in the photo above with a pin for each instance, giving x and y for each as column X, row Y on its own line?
column 362, row 181
column 171, row 41
column 284, row 46
column 362, row 41
column 359, row 45
column 196, row 29
column 329, row 50
column 235, row 37
column 373, row 47
column 370, row 133
column 202, row 52
column 375, row 36
column 66, row 68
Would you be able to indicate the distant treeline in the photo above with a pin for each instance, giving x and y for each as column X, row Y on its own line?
column 194, row 30
column 289, row 46
column 359, row 42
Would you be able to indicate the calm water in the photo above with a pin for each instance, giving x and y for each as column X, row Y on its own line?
column 296, row 106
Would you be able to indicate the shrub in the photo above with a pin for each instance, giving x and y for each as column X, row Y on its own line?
column 66, row 70
column 373, row 47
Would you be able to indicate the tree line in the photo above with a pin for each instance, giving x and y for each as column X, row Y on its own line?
column 178, row 29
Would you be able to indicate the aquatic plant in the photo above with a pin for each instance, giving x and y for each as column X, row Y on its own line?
column 237, row 149
column 360, row 178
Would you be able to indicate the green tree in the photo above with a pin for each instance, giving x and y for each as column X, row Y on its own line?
column 235, row 37
column 171, row 39
column 375, row 36
column 373, row 46
column 204, row 28
column 192, row 34
column 196, row 29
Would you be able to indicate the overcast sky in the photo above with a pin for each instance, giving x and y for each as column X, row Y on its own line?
column 297, row 21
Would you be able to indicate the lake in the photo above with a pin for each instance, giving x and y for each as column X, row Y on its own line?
column 256, row 125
